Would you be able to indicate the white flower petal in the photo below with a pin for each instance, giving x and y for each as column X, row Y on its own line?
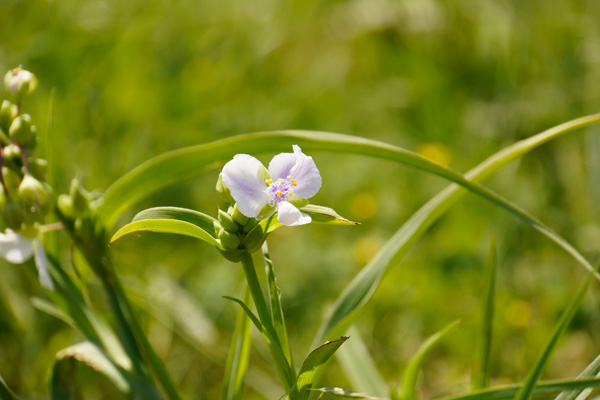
column 281, row 165
column 306, row 174
column 244, row 177
column 41, row 262
column 289, row 215
column 16, row 249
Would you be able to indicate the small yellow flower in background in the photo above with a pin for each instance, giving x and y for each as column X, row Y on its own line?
column 436, row 152
column 363, row 207
column 365, row 249
column 518, row 313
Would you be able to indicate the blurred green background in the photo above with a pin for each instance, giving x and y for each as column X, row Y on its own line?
column 454, row 80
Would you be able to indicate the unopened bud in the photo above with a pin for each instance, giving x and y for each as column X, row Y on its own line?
column 229, row 240
column 8, row 112
column 65, row 205
column 35, row 195
column 12, row 180
column 23, row 131
column 20, row 82
column 38, row 167
column 79, row 197
column 254, row 239
column 228, row 223
column 238, row 217
column 12, row 215
column 224, row 193
column 12, row 156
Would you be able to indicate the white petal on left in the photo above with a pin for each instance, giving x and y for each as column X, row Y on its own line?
column 306, row 174
column 244, row 178
column 16, row 249
column 41, row 262
column 289, row 215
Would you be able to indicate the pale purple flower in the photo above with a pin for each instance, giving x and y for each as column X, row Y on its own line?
column 16, row 249
column 291, row 179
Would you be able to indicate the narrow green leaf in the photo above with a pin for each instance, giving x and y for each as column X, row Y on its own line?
column 5, row 392
column 201, row 220
column 53, row 310
column 534, row 375
column 62, row 384
column 239, row 354
column 339, row 392
column 481, row 377
column 359, row 367
column 276, row 309
column 542, row 387
column 411, row 373
column 167, row 226
column 592, row 370
column 312, row 365
column 362, row 287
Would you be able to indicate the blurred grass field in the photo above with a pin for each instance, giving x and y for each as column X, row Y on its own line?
column 453, row 80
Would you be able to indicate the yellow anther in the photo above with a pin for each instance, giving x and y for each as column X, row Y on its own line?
column 279, row 180
column 289, row 177
column 290, row 193
column 278, row 193
column 294, row 183
column 269, row 181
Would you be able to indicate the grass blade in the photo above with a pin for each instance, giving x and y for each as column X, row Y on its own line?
column 348, row 394
column 5, row 392
column 411, row 373
column 239, row 354
column 592, row 370
column 481, row 377
column 542, row 387
column 359, row 367
column 359, row 291
column 201, row 220
column 527, row 389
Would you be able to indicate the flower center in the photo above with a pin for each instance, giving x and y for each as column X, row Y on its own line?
column 280, row 190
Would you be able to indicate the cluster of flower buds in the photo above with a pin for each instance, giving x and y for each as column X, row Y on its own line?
column 77, row 207
column 25, row 198
column 232, row 227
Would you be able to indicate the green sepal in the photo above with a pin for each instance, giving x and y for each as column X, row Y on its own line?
column 8, row 112
column 238, row 217
column 23, row 131
column 12, row 181
column 12, row 215
column 230, row 241
column 228, row 223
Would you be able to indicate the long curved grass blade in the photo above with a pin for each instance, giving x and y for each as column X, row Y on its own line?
column 359, row 367
column 411, row 373
column 5, row 392
column 359, row 291
column 62, row 382
column 534, row 375
column 481, row 378
column 592, row 370
column 542, row 387
column 239, row 354
column 348, row 394
column 167, row 226
column 312, row 366
column 177, row 165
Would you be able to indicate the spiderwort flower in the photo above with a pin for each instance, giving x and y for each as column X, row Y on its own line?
column 291, row 179
column 17, row 249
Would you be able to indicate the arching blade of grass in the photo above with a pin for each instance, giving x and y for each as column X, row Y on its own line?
column 481, row 377
column 411, row 373
column 362, row 287
column 5, row 392
column 239, row 354
column 359, row 367
column 177, row 165
column 592, row 370
column 542, row 387
column 527, row 389
column 347, row 394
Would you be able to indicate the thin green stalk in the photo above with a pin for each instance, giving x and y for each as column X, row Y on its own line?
column 286, row 374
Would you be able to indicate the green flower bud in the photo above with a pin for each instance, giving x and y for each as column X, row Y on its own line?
column 229, row 240
column 79, row 197
column 223, row 192
column 12, row 215
column 228, row 223
column 35, row 195
column 298, row 202
column 254, row 239
column 12, row 156
column 20, row 82
column 65, row 205
column 38, row 167
column 29, row 231
column 23, row 131
column 12, row 180
column 248, row 226
column 238, row 217
column 8, row 112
